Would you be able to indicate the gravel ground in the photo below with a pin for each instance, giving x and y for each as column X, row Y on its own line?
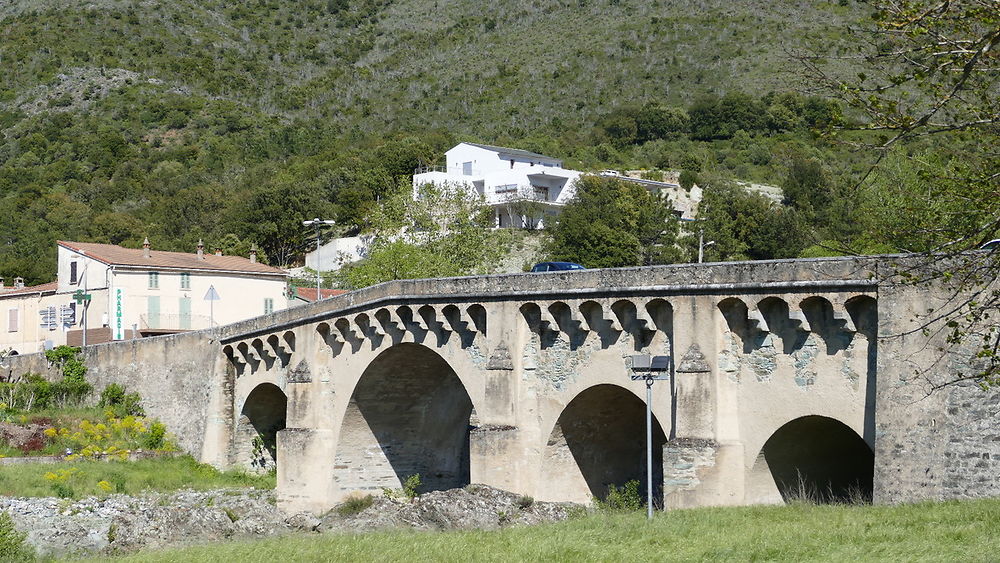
column 122, row 524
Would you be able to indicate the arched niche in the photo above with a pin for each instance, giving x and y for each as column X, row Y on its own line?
column 813, row 458
column 600, row 440
column 409, row 414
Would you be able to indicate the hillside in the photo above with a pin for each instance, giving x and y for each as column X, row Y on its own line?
column 384, row 65
column 181, row 120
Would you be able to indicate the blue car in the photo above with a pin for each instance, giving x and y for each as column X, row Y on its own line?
column 556, row 267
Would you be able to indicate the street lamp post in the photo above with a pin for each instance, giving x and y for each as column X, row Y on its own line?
column 649, row 369
column 702, row 245
column 318, row 223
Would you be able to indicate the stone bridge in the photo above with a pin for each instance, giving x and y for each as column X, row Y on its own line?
column 787, row 381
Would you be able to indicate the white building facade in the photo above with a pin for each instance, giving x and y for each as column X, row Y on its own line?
column 524, row 188
column 135, row 293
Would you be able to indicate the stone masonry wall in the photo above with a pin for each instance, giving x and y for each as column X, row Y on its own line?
column 932, row 441
column 173, row 374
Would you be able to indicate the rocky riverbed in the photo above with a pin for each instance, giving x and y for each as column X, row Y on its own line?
column 122, row 523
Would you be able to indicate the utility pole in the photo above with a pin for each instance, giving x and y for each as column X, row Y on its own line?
column 318, row 223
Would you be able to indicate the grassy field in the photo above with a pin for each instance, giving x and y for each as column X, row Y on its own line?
column 84, row 478
column 949, row 531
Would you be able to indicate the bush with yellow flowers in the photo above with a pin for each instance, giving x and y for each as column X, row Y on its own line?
column 112, row 437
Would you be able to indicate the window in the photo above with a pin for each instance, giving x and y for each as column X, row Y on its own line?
column 268, row 306
column 512, row 163
column 184, row 307
column 154, row 280
column 72, row 272
column 467, row 168
column 541, row 193
column 153, row 311
column 185, row 281
column 12, row 320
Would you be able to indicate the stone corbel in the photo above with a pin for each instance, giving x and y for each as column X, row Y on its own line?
column 756, row 320
column 643, row 318
column 346, row 329
column 548, row 318
column 235, row 359
column 612, row 317
column 842, row 316
column 800, row 318
column 390, row 317
column 578, row 316
column 365, row 325
column 279, row 345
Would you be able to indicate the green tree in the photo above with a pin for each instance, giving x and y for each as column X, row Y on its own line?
column 612, row 222
column 929, row 75
column 807, row 187
column 746, row 225
column 443, row 231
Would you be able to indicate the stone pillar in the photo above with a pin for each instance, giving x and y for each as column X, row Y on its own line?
column 703, row 461
column 496, row 452
column 220, row 423
column 306, row 449
column 305, row 473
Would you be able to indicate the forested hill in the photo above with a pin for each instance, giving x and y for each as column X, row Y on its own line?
column 184, row 119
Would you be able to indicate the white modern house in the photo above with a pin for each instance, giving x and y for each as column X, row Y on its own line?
column 135, row 293
column 523, row 187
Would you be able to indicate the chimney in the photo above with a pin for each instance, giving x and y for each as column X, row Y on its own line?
column 145, row 248
column 201, row 250
column 218, row 251
column 253, row 257
column 18, row 283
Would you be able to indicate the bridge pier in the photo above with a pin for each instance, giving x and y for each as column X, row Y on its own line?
column 305, row 470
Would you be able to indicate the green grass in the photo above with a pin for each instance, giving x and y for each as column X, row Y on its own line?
column 84, row 478
column 948, row 531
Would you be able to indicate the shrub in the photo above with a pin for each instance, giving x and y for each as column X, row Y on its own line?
column 156, row 438
column 625, row 498
column 688, row 179
column 411, row 485
column 12, row 546
column 354, row 505
column 121, row 403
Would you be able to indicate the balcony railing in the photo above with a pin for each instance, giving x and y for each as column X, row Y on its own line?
column 512, row 192
column 453, row 171
column 431, row 168
column 173, row 321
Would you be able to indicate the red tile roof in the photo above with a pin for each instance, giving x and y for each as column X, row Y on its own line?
column 309, row 293
column 41, row 288
column 120, row 256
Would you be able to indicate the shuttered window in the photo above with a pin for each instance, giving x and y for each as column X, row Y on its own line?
column 12, row 320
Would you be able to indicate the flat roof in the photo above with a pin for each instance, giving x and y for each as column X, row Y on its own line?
column 513, row 152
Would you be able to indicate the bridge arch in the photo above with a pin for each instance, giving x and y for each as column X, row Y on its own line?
column 408, row 414
column 262, row 414
column 814, row 458
column 599, row 440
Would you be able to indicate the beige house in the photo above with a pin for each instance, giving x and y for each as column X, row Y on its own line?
column 135, row 293
column 32, row 316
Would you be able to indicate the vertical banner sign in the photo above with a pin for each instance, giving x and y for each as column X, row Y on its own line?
column 118, row 315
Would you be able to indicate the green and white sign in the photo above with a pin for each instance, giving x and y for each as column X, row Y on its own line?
column 118, row 314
